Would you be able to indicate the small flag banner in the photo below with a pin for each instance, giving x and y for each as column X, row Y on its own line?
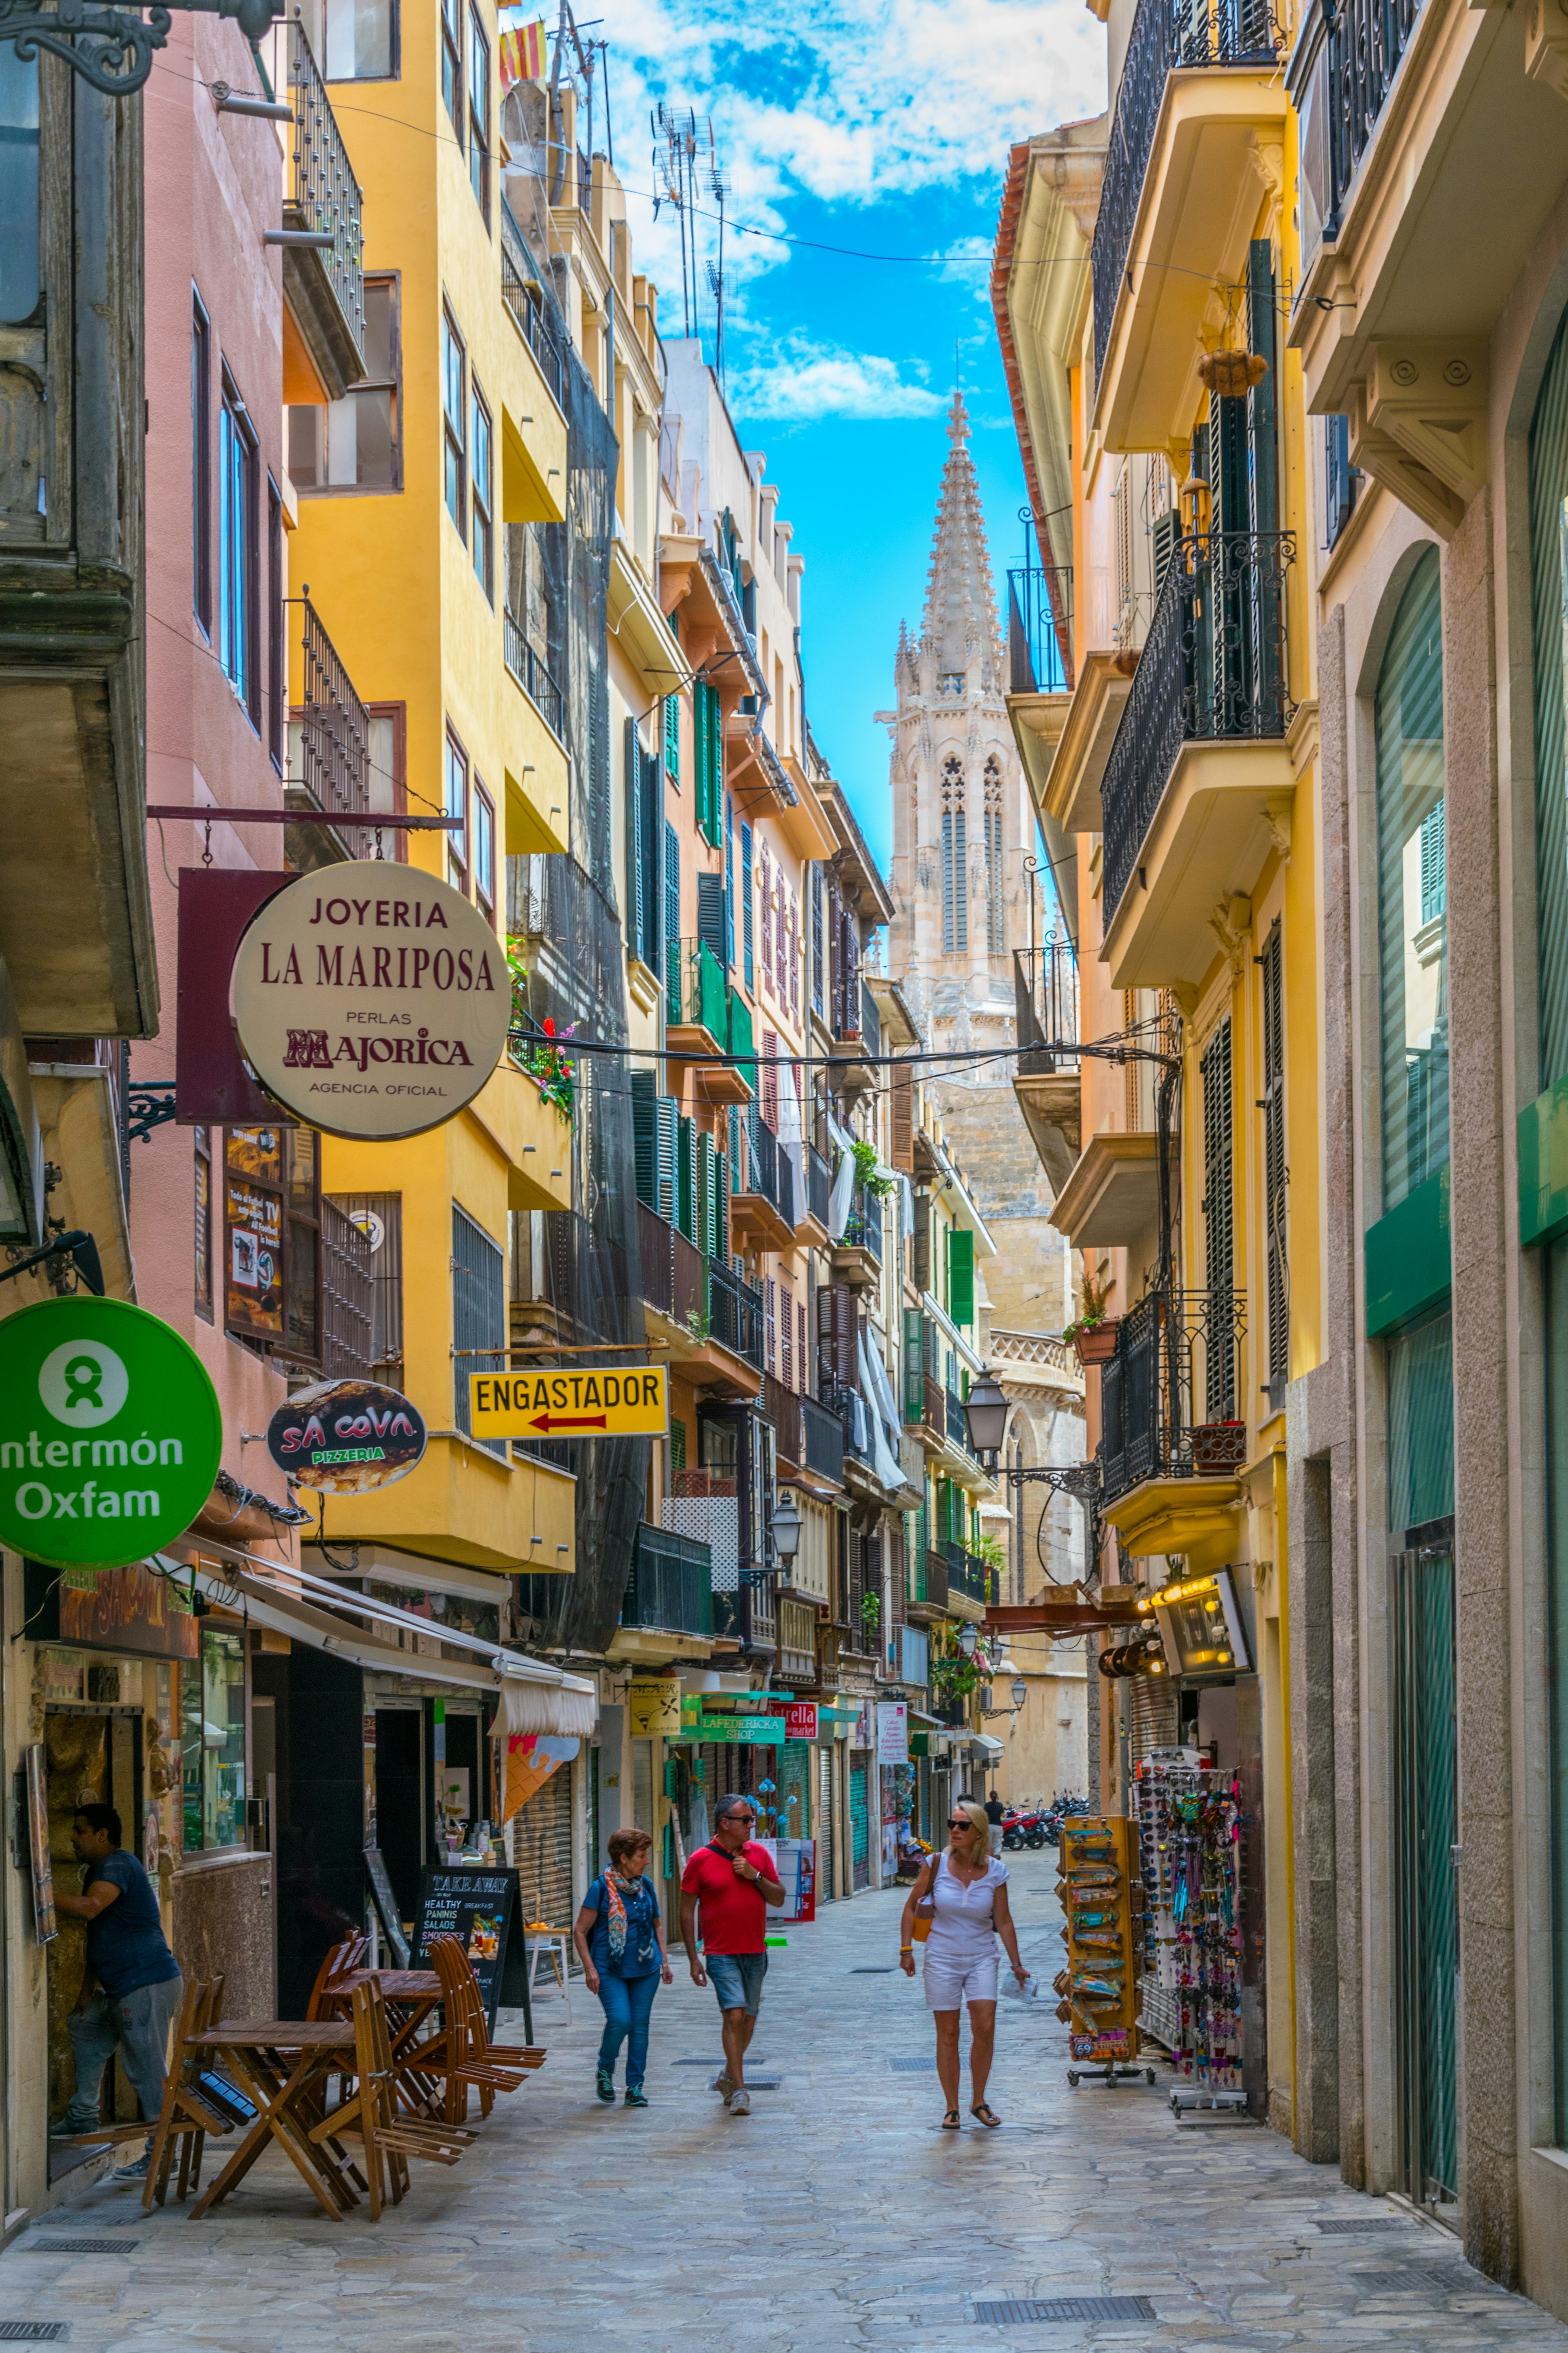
column 522, row 54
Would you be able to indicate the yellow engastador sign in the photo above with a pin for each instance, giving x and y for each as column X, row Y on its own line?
column 591, row 1401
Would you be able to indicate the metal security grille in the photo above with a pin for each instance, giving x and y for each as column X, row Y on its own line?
column 60, row 2242
column 34, row 2332
column 1066, row 2307
column 1348, row 2229
column 1218, row 1207
column 479, row 1313
column 826, row 1865
column 859, row 1826
column 1274, row 1171
column 542, row 1843
column 379, row 1217
column 912, row 2066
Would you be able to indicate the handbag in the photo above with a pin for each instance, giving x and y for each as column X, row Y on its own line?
column 926, row 1910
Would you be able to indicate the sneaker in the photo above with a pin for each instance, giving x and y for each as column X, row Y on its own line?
column 605, row 2085
column 134, row 2172
column 636, row 2096
column 70, row 2128
column 724, row 2086
column 741, row 2102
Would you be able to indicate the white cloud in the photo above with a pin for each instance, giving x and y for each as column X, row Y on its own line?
column 799, row 379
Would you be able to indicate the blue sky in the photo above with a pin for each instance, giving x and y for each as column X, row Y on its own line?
column 883, row 127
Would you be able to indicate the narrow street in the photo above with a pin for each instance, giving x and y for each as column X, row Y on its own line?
column 836, row 2215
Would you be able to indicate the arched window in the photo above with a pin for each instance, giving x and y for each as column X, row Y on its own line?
column 955, row 861
column 1412, row 890
column 995, row 935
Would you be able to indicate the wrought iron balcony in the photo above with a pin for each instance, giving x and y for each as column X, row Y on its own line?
column 697, row 993
column 1035, row 640
column 670, row 1588
column 823, row 1435
column 781, row 1407
column 954, row 1420
column 1169, row 1396
column 1213, row 669
column 325, row 284
column 528, row 669
column 968, row 1575
column 1340, row 79
column 1045, row 994
column 525, row 298
column 928, row 1580
column 346, row 1297
column 735, row 1314
column 330, row 748
column 656, row 1256
column 1165, row 34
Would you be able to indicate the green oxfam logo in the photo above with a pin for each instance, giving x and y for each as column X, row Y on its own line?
column 109, row 1432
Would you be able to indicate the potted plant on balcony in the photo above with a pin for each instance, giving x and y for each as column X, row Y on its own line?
column 539, row 1048
column 1093, row 1332
column 865, row 1175
column 1219, row 1447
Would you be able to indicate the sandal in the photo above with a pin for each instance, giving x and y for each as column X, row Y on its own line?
column 951, row 2122
column 986, row 2115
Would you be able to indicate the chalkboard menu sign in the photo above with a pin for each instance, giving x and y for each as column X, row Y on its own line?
column 477, row 1906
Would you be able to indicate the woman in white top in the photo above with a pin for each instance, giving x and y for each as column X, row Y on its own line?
column 968, row 1889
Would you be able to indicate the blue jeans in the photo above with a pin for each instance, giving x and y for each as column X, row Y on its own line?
column 627, row 2003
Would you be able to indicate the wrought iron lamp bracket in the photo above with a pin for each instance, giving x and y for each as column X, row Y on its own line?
column 113, row 48
column 149, row 1104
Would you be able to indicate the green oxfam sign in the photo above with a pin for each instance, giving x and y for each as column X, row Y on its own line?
column 109, row 1432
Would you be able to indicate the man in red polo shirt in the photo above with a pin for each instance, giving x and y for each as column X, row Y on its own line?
column 733, row 1881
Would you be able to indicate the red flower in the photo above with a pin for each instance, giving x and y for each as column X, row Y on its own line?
column 549, row 1027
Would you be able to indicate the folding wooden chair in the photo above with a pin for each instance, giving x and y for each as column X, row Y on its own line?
column 188, row 2114
column 460, row 2052
column 348, row 1955
column 370, row 2111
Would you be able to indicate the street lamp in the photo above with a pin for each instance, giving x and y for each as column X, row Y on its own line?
column 1020, row 1690
column 985, row 1412
column 966, row 1641
column 786, row 1528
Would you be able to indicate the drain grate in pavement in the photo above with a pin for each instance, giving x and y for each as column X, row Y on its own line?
column 34, row 2332
column 712, row 2065
column 875, row 1969
column 1067, row 2308
column 912, row 2066
column 1344, row 2230
column 763, row 2083
column 1439, row 2278
column 56, row 2242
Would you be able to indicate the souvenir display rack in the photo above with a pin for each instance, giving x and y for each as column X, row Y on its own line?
column 1100, row 1891
column 1190, row 1852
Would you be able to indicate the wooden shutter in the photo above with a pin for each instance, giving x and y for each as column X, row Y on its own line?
column 722, row 1207
column 667, row 1112
column 729, row 883
column 769, row 1076
column 961, row 1275
column 672, row 921
column 787, row 1335
column 636, row 848
column 685, row 1180
column 749, row 961
column 710, row 925
column 1166, row 532
column 707, row 1196
column 902, row 1148
column 818, row 943
column 764, row 887
column 645, row 1135
column 923, row 1242
column 672, row 738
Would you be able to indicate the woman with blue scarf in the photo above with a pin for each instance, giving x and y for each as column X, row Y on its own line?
column 619, row 1936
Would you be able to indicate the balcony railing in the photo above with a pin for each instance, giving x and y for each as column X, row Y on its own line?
column 1168, row 1397
column 670, row 1588
column 525, row 297
column 656, row 1256
column 531, row 674
column 1165, row 34
column 1340, row 79
column 346, row 1297
column 863, row 1228
column 735, row 1314
column 968, row 1575
column 324, row 194
column 955, row 1421
column 1045, row 991
column 697, row 991
column 781, row 1407
column 928, row 1579
column 333, row 742
column 1034, row 662
column 819, row 1184
column 1213, row 669
column 823, row 1435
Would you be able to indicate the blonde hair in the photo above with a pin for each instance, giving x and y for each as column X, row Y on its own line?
column 980, row 1827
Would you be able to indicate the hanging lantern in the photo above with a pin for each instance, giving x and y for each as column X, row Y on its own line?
column 1232, row 374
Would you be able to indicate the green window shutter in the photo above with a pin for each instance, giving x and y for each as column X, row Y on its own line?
column 740, row 1037
column 706, row 1195
column 685, row 1188
column 671, row 922
column 672, row 738
column 721, row 1210
column 667, row 1112
column 961, row 1276
column 645, row 1135
column 914, row 1388
column 712, row 1010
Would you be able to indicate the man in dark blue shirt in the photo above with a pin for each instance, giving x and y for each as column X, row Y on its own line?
column 133, row 1987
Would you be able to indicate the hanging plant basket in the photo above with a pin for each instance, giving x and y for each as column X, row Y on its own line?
column 1232, row 374
column 1096, row 1343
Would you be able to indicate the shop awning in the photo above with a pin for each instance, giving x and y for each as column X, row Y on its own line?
column 534, row 1696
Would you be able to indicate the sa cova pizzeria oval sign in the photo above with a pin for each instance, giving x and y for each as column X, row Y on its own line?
column 373, row 1000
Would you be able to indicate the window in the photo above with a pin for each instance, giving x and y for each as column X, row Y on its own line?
column 354, row 444
column 272, row 1239
column 212, row 1743
column 236, row 614
column 456, row 800
column 479, row 1313
column 351, row 40
column 479, row 113
column 454, row 410
column 379, row 1218
column 995, row 920
column 19, row 264
column 1412, row 924
column 202, row 1229
column 452, row 62
column 484, row 849
column 1218, row 1207
column 672, row 740
column 200, row 451
column 708, row 728
column 277, row 617
column 1339, row 477
column 954, row 862
column 484, row 530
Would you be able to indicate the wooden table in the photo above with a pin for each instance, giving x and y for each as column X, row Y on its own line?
column 410, row 1996
column 279, row 2064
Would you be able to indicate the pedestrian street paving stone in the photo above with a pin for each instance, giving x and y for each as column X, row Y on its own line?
column 837, row 2218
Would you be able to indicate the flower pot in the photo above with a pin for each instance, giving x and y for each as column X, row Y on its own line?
column 1218, row 1449
column 1098, row 1344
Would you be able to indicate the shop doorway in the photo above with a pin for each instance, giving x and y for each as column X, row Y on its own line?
column 826, row 1821
column 1427, row 1921
column 859, row 1823
column 90, row 1758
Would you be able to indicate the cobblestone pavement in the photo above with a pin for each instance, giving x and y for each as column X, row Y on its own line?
column 835, row 2216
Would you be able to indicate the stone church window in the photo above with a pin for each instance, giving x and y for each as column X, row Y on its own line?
column 954, row 879
column 996, row 929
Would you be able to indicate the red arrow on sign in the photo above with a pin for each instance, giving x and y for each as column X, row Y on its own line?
column 547, row 1422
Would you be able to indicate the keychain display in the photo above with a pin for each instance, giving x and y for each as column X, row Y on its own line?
column 1099, row 1986
column 1190, row 1857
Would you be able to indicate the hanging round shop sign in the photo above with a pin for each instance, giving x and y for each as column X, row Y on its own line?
column 345, row 1438
column 111, row 1432
column 372, row 1000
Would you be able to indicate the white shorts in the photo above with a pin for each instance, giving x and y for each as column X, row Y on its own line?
column 951, row 1980
column 994, row 1841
